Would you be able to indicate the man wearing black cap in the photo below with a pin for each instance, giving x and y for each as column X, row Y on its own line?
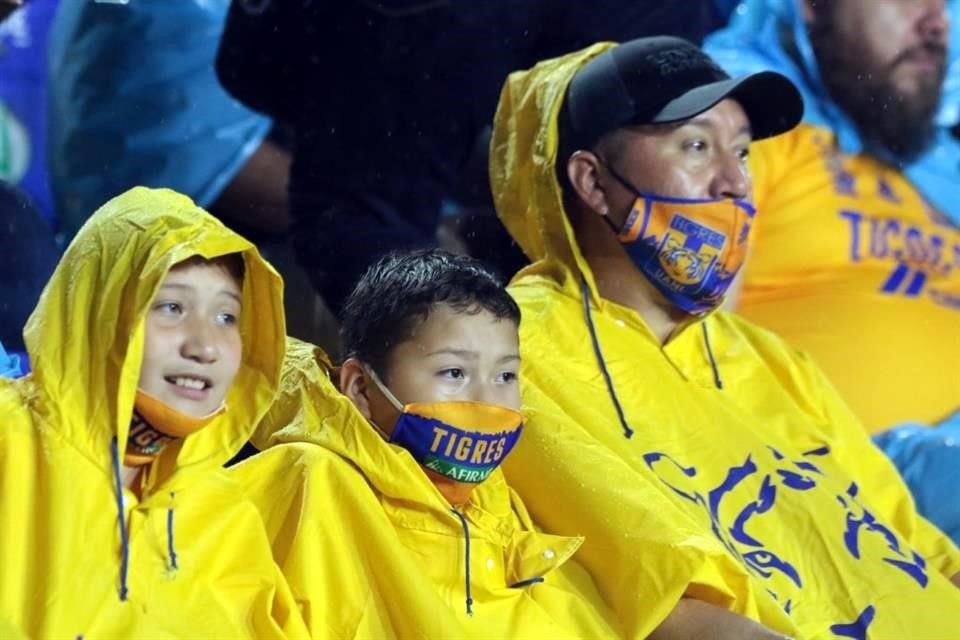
column 706, row 462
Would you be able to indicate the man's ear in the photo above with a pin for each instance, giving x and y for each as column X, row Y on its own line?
column 583, row 172
column 355, row 385
column 809, row 13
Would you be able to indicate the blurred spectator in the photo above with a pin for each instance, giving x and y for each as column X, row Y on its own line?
column 857, row 260
column 134, row 101
column 391, row 102
column 9, row 364
column 929, row 461
column 7, row 7
column 27, row 259
column 23, row 90
column 772, row 34
column 29, row 252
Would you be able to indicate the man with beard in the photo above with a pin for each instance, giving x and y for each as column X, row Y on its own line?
column 857, row 259
column 885, row 72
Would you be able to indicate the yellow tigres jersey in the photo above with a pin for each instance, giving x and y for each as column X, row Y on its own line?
column 851, row 265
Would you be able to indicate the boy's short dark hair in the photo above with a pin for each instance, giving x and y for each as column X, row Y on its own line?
column 397, row 294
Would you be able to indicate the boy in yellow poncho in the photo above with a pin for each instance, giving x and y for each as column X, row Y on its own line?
column 386, row 508
column 637, row 387
column 156, row 347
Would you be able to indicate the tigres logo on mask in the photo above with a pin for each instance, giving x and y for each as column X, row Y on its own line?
column 689, row 250
column 683, row 264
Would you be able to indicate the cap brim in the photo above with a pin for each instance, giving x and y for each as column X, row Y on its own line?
column 772, row 103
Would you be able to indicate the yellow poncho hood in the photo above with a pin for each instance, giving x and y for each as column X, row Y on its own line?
column 523, row 158
column 190, row 556
column 686, row 483
column 85, row 338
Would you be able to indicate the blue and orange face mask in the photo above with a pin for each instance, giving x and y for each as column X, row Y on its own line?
column 461, row 440
column 689, row 249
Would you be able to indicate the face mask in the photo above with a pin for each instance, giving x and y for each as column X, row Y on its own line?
column 690, row 250
column 154, row 425
column 461, row 440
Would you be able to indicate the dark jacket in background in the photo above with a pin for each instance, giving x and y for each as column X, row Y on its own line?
column 28, row 254
column 391, row 101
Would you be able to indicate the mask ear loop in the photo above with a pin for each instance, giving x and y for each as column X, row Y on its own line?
column 383, row 388
column 392, row 399
column 619, row 232
column 605, row 216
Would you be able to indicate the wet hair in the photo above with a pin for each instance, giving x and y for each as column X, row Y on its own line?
column 232, row 263
column 397, row 294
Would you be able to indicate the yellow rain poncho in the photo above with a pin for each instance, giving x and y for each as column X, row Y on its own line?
column 372, row 549
column 192, row 559
column 736, row 475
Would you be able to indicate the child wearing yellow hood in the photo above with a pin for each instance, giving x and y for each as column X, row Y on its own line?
column 387, row 510
column 150, row 369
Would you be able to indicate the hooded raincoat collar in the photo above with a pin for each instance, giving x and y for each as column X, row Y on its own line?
column 86, row 336
column 310, row 409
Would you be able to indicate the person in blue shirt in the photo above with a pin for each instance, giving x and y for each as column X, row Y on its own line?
column 23, row 96
column 9, row 364
column 134, row 100
column 27, row 259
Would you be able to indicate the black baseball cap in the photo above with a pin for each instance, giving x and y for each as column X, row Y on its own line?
column 664, row 79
